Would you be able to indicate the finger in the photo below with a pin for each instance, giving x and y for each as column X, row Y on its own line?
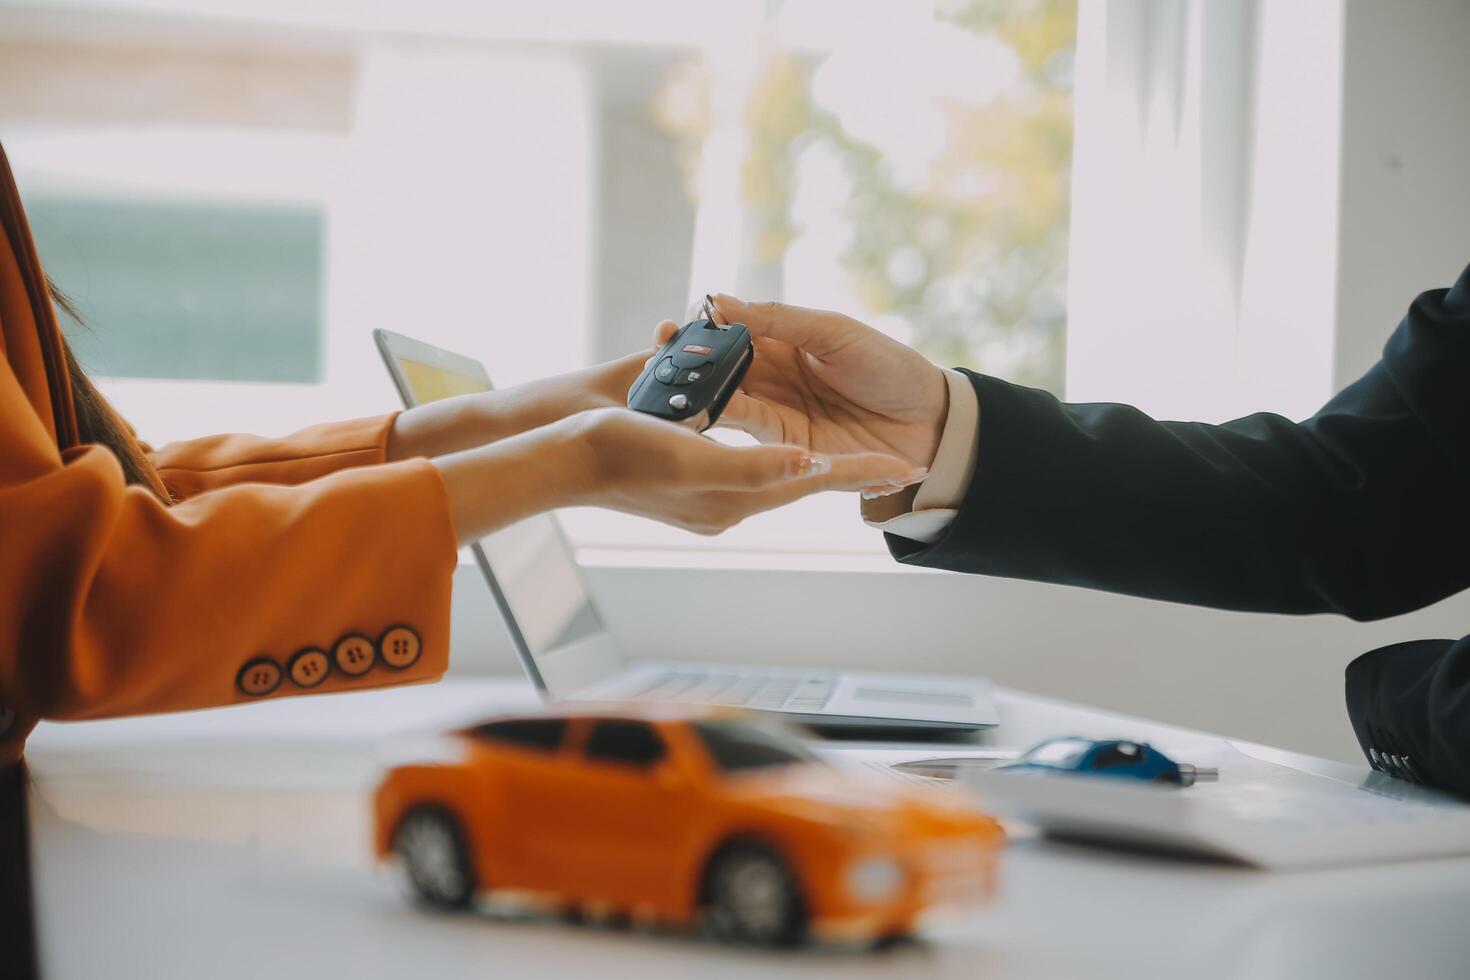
column 753, row 417
column 665, row 330
column 888, row 489
column 856, row 471
column 816, row 331
column 758, row 467
column 877, row 510
column 846, row 473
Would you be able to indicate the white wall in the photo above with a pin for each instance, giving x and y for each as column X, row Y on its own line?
column 1405, row 155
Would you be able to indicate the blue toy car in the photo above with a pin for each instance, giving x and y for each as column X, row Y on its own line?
column 1108, row 757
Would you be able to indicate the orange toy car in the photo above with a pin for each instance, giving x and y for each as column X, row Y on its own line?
column 679, row 816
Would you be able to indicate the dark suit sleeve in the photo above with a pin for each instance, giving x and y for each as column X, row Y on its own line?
column 1363, row 509
column 1410, row 708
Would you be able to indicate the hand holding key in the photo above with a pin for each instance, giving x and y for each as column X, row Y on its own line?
column 831, row 384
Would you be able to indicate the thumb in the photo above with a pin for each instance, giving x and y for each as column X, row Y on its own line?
column 662, row 332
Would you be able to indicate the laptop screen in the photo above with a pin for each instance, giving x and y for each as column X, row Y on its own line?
column 531, row 567
column 430, row 382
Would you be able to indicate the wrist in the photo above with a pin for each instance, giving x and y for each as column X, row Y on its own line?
column 548, row 401
column 548, row 464
column 506, row 481
column 940, row 420
column 449, row 425
column 953, row 465
column 567, row 462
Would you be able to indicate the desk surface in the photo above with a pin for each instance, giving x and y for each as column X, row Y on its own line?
column 235, row 844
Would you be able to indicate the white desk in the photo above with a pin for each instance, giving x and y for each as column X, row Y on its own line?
column 235, row 844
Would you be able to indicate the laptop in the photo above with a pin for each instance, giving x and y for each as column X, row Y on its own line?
column 569, row 654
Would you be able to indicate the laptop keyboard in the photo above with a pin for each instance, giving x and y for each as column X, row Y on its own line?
column 767, row 692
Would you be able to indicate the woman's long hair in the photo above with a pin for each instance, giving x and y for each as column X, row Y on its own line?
column 97, row 423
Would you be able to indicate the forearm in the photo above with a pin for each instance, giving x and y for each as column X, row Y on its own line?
column 457, row 424
column 510, row 479
column 195, row 466
column 923, row 511
column 1331, row 515
column 1103, row 497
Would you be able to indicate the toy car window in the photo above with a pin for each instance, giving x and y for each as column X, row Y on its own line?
column 630, row 743
column 532, row 733
column 736, row 746
column 1113, row 756
column 1062, row 752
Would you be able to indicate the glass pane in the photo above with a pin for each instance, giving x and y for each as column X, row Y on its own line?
column 1063, row 752
column 226, row 292
column 736, row 746
column 628, row 742
column 533, row 733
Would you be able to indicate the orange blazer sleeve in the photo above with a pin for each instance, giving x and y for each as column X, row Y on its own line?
column 192, row 467
column 115, row 604
column 288, row 570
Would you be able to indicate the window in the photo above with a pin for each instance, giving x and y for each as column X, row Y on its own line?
column 544, row 734
column 210, row 291
column 738, row 746
column 629, row 743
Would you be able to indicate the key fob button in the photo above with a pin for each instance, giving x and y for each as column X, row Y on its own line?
column 678, row 402
column 690, row 359
column 666, row 371
column 689, row 376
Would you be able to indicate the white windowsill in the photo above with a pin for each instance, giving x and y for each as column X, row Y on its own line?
column 736, row 560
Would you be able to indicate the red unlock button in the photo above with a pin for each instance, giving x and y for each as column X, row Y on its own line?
column 698, row 349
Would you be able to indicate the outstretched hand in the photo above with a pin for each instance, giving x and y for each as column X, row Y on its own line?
column 643, row 465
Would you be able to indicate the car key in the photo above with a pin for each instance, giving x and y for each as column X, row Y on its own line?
column 1112, row 757
column 691, row 379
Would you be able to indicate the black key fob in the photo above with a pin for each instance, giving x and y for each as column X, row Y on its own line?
column 692, row 378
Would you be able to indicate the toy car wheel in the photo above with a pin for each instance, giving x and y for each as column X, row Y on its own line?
column 752, row 896
column 432, row 847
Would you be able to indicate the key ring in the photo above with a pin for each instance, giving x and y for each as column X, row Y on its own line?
column 708, row 312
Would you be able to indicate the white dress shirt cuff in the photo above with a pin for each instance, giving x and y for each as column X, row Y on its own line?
column 923, row 513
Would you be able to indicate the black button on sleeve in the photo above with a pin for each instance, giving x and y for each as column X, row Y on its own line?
column 259, row 677
column 354, row 654
column 399, row 647
column 309, row 667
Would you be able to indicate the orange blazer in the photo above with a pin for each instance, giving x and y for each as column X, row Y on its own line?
column 288, row 566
